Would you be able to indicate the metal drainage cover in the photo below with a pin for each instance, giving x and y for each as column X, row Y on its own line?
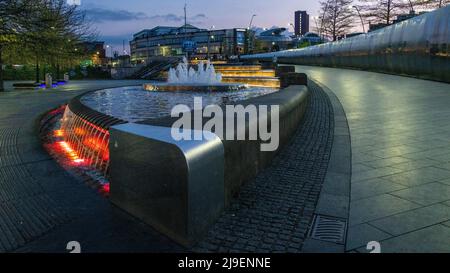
column 329, row 229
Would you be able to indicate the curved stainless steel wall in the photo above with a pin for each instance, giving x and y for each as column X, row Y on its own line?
column 418, row 47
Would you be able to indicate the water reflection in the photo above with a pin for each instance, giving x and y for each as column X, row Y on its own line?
column 134, row 104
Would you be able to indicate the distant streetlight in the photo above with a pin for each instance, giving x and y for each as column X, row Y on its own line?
column 292, row 25
column 111, row 50
column 360, row 17
column 209, row 40
column 251, row 21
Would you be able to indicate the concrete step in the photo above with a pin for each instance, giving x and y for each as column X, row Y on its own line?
column 247, row 73
column 220, row 68
column 255, row 81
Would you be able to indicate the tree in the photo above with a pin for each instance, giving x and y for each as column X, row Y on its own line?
column 55, row 33
column 13, row 14
column 429, row 4
column 337, row 18
column 383, row 11
column 45, row 31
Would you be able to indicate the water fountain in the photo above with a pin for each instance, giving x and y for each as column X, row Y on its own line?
column 205, row 74
column 185, row 78
column 80, row 139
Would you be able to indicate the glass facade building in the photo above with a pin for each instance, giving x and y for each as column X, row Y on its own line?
column 200, row 43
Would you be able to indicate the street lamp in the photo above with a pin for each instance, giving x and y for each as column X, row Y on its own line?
column 360, row 17
column 292, row 25
column 110, row 51
column 209, row 39
column 251, row 21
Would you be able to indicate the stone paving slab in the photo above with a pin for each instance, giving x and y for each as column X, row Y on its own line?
column 433, row 239
column 362, row 234
column 426, row 194
column 373, row 187
column 413, row 220
column 400, row 133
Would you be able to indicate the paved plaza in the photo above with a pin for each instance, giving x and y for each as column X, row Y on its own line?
column 399, row 189
column 274, row 211
column 400, row 140
column 42, row 208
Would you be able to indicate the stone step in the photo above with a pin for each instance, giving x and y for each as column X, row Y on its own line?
column 247, row 73
column 255, row 81
column 219, row 68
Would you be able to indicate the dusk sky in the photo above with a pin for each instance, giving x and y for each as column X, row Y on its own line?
column 118, row 20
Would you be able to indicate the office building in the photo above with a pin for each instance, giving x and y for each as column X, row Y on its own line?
column 198, row 43
column 301, row 24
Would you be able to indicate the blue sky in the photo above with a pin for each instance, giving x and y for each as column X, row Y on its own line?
column 117, row 20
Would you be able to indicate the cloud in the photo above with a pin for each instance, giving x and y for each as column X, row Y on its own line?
column 99, row 15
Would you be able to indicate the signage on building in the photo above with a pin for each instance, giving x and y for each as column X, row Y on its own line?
column 189, row 46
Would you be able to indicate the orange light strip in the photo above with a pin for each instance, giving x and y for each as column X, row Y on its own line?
column 58, row 133
column 70, row 152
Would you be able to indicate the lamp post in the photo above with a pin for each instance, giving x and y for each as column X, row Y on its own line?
column 292, row 25
column 209, row 40
column 110, row 51
column 360, row 17
column 251, row 21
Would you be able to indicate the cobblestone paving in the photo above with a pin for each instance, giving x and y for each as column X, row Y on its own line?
column 274, row 211
column 41, row 206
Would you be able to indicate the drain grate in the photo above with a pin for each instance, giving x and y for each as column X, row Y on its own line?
column 329, row 229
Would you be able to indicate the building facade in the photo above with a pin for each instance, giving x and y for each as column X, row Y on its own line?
column 199, row 43
column 301, row 23
column 272, row 40
column 96, row 53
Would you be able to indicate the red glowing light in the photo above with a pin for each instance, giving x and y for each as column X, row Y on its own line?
column 105, row 188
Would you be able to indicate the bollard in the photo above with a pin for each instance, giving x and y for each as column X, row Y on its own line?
column 48, row 80
column 66, row 77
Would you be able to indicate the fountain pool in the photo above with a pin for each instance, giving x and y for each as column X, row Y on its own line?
column 83, row 135
column 133, row 104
